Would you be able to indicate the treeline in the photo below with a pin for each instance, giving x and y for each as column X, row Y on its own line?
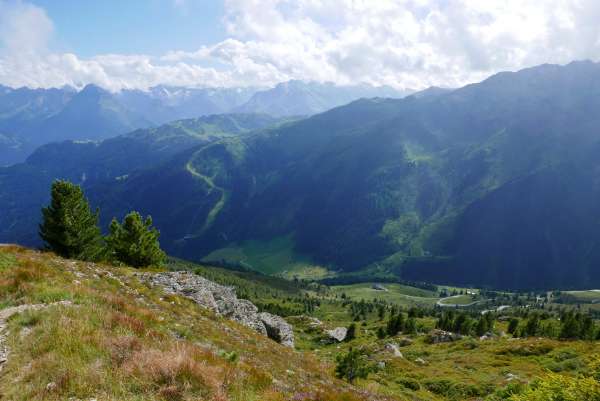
column 463, row 323
column 70, row 229
column 570, row 325
column 289, row 307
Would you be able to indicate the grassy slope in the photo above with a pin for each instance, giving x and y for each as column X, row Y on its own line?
column 276, row 256
column 124, row 341
column 468, row 369
column 397, row 293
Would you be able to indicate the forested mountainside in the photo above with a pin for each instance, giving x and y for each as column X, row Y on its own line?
column 490, row 184
column 24, row 187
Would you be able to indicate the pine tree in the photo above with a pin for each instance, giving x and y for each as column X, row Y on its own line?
column 352, row 365
column 135, row 241
column 69, row 228
column 512, row 325
column 351, row 332
column 533, row 326
column 395, row 324
column 482, row 326
column 411, row 326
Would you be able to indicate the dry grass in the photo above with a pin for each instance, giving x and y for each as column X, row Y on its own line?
column 124, row 341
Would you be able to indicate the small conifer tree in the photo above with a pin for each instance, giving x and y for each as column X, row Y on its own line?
column 69, row 228
column 135, row 241
column 352, row 365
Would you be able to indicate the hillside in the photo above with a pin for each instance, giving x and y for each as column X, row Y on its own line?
column 24, row 187
column 81, row 330
column 407, row 186
column 492, row 184
column 116, row 338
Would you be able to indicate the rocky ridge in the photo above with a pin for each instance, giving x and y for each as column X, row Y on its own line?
column 223, row 301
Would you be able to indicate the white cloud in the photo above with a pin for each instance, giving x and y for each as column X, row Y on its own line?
column 403, row 43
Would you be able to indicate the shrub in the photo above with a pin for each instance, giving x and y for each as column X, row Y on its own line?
column 563, row 388
column 351, row 333
column 409, row 383
column 454, row 390
column 352, row 365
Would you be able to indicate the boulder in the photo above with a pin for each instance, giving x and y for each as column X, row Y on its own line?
column 393, row 349
column 338, row 334
column 278, row 329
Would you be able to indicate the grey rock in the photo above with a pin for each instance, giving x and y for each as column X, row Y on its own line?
column 223, row 301
column 278, row 329
column 338, row 334
column 393, row 349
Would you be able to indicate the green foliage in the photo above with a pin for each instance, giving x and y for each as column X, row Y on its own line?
column 351, row 333
column 352, row 365
column 395, row 324
column 411, row 326
column 69, row 227
column 577, row 326
column 555, row 387
column 409, row 383
column 135, row 241
column 454, row 391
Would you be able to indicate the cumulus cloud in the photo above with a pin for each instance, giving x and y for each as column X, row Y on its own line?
column 402, row 43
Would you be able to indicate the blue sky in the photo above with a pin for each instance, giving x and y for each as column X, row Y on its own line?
column 407, row 44
column 152, row 27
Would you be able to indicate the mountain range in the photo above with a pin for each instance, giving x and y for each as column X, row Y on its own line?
column 33, row 117
column 493, row 184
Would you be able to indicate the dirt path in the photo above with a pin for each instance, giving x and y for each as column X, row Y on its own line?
column 5, row 314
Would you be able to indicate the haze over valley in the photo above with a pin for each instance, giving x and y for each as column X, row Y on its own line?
column 307, row 201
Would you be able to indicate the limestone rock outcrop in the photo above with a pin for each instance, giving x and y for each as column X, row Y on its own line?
column 337, row 334
column 223, row 301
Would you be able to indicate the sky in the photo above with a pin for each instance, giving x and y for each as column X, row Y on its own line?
column 407, row 44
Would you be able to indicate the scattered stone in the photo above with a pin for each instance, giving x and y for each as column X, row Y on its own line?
column 405, row 341
column 441, row 336
column 487, row 336
column 51, row 386
column 223, row 301
column 379, row 287
column 420, row 361
column 510, row 377
column 393, row 348
column 338, row 334
column 25, row 331
column 381, row 365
